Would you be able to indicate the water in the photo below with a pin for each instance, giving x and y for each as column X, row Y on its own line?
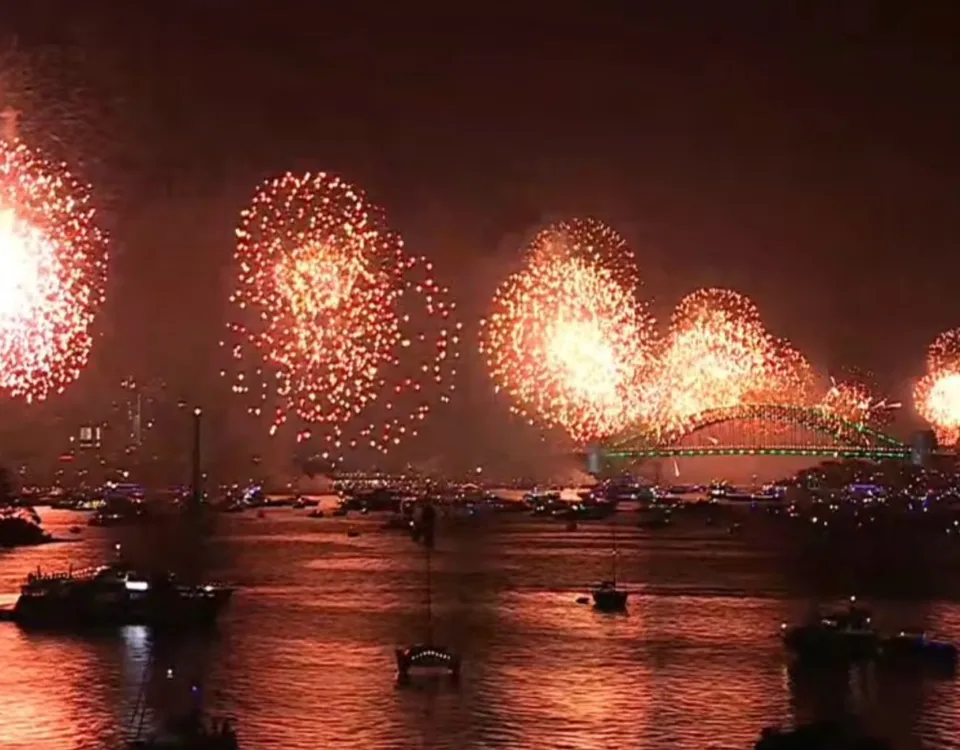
column 304, row 656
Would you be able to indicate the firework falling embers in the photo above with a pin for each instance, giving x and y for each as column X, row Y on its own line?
column 336, row 328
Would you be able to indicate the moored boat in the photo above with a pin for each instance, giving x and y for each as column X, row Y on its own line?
column 426, row 656
column 916, row 648
column 846, row 635
column 115, row 595
column 607, row 597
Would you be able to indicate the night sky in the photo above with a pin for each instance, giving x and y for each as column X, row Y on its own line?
column 805, row 155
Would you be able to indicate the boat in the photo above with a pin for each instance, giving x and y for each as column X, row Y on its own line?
column 607, row 597
column 191, row 732
column 916, row 648
column 427, row 657
column 118, row 516
column 846, row 635
column 116, row 595
column 838, row 735
column 189, row 737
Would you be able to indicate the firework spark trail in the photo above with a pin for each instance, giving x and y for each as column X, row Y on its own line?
column 52, row 274
column 337, row 326
column 937, row 394
column 853, row 397
column 567, row 339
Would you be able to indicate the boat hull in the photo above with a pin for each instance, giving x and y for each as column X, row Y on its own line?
column 814, row 643
column 423, row 659
column 905, row 652
column 174, row 610
column 610, row 600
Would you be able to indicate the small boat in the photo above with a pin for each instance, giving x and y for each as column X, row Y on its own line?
column 191, row 732
column 427, row 657
column 839, row 636
column 117, row 517
column 179, row 738
column 607, row 597
column 908, row 648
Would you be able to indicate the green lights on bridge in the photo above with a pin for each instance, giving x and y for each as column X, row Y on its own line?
column 825, row 452
column 811, row 432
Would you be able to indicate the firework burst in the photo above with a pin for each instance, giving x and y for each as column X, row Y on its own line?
column 937, row 395
column 337, row 327
column 52, row 274
column 853, row 397
column 718, row 354
column 567, row 339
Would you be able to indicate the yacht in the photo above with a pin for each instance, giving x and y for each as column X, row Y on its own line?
column 607, row 597
column 427, row 657
column 846, row 635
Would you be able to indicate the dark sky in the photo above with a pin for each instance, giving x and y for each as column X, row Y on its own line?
column 805, row 154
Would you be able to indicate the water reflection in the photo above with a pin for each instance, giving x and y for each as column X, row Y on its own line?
column 304, row 657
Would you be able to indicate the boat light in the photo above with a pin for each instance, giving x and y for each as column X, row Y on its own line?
column 208, row 588
column 136, row 585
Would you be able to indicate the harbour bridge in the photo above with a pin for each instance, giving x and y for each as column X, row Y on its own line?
column 757, row 430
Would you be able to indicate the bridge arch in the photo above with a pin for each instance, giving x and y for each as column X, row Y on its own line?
column 825, row 434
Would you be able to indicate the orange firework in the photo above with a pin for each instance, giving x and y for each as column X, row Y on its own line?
column 336, row 326
column 567, row 338
column 854, row 399
column 52, row 274
column 937, row 395
column 718, row 354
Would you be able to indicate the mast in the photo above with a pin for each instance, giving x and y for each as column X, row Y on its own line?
column 428, row 522
column 613, row 529
column 429, row 602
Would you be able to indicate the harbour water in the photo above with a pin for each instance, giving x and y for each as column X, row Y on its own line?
column 303, row 657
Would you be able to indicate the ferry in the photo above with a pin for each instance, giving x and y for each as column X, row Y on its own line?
column 116, row 595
